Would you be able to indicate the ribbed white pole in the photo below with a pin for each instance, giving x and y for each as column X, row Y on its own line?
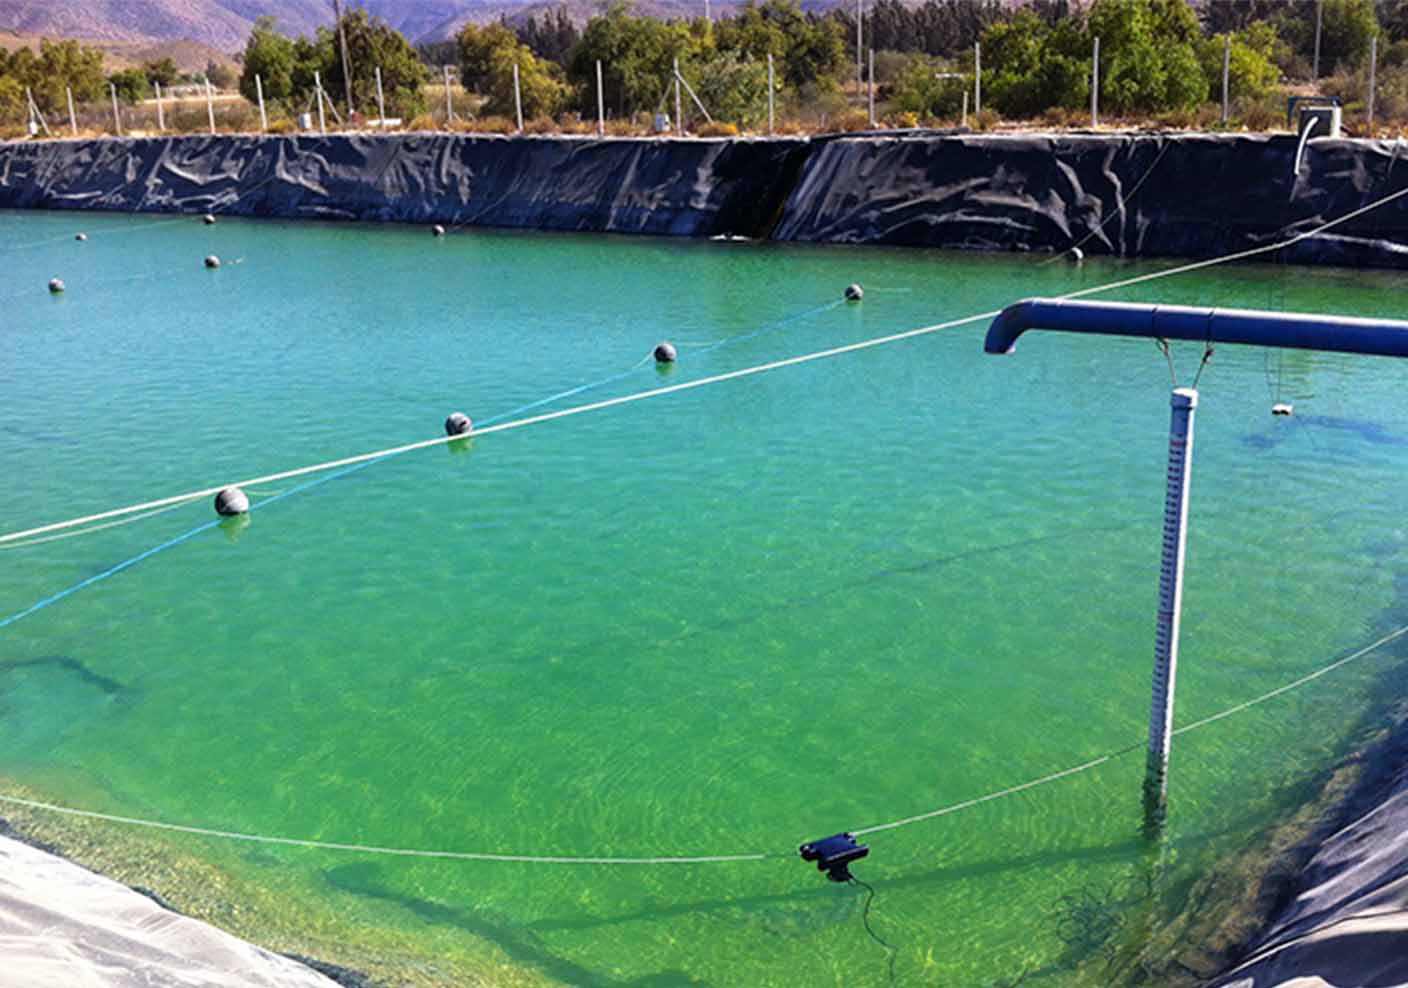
column 116, row 117
column 600, row 103
column 380, row 101
column 1180, row 456
column 259, row 91
column 210, row 104
column 517, row 98
column 318, row 90
column 1095, row 85
column 73, row 117
column 977, row 78
column 771, row 119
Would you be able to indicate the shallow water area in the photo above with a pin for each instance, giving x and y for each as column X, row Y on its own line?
column 719, row 621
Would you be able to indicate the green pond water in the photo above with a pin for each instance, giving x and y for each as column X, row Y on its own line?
column 726, row 620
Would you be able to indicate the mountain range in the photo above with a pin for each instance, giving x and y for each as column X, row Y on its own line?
column 225, row 24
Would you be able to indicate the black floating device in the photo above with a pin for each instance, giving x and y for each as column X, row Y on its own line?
column 833, row 854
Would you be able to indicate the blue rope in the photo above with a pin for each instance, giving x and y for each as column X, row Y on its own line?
column 317, row 481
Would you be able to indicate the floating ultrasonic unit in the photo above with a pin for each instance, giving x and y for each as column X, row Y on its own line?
column 832, row 855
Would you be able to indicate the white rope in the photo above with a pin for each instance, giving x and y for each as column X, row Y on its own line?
column 687, row 385
column 1097, row 762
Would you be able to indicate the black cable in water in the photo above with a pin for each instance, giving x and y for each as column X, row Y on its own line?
column 865, row 921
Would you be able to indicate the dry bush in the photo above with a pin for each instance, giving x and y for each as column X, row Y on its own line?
column 717, row 129
column 987, row 120
column 540, row 125
column 1265, row 114
column 789, row 126
column 283, row 125
column 851, row 121
column 572, row 123
column 903, row 119
column 624, row 128
column 423, row 122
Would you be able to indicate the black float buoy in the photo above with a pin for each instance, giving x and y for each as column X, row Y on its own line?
column 211, row 261
column 665, row 353
column 80, row 236
column 231, row 501
column 438, row 230
column 56, row 285
column 854, row 293
column 208, row 219
column 1282, row 408
column 458, row 424
column 1076, row 255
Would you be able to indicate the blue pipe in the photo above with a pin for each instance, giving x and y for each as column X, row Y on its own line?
column 1301, row 331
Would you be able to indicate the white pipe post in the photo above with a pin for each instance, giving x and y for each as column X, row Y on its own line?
column 160, row 110
column 1180, row 456
column 380, row 101
column 30, row 112
column 963, row 120
column 449, row 107
column 1373, row 60
column 318, row 91
column 1319, row 13
column 210, row 104
column 860, row 22
column 872, row 87
column 73, row 117
column 977, row 79
column 771, row 119
column 1226, row 77
column 600, row 103
column 259, row 91
column 517, row 98
column 116, row 117
column 679, row 105
column 1095, row 85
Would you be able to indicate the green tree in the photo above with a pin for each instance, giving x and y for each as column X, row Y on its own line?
column 373, row 44
column 270, row 56
column 1251, row 72
column 487, row 57
column 927, row 90
column 735, row 88
column 163, row 72
column 59, row 65
column 131, row 85
column 636, row 54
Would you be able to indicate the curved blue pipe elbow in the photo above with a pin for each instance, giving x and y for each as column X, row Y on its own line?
column 1302, row 331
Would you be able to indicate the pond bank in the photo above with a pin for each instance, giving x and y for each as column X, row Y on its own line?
column 1130, row 195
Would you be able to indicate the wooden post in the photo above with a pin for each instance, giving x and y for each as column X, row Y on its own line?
column 116, row 117
column 73, row 117
column 1226, row 77
column 259, row 91
column 977, row 79
column 1095, row 85
column 872, row 87
column 210, row 104
column 380, row 101
column 1373, row 62
column 1180, row 455
column 517, row 98
column 771, row 119
column 600, row 103
column 679, row 105
column 318, row 91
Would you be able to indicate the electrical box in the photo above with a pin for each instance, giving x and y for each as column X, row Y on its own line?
column 1326, row 119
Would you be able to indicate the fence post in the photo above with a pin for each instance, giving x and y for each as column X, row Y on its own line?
column 318, row 91
column 449, row 107
column 771, row 120
column 116, row 118
column 517, row 98
column 977, row 79
column 1226, row 77
column 160, row 111
column 1315, row 65
column 872, row 87
column 679, row 105
column 210, row 104
column 860, row 21
column 1373, row 61
column 259, row 91
column 1180, row 456
column 600, row 103
column 380, row 101
column 963, row 121
column 1095, row 85
column 73, row 117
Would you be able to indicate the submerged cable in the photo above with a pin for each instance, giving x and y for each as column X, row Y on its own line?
column 865, row 922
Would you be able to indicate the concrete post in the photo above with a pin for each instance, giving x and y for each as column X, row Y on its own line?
column 210, row 104
column 1226, row 77
column 977, row 78
column 517, row 98
column 116, row 117
column 1180, row 455
column 771, row 119
column 600, row 103
column 872, row 87
column 1373, row 63
column 73, row 117
column 380, row 101
column 1095, row 85
column 259, row 91
column 318, row 91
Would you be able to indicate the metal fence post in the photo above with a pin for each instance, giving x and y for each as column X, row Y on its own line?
column 872, row 87
column 1226, row 77
column 771, row 120
column 1373, row 62
column 600, row 103
column 1095, row 85
column 210, row 104
column 517, row 98
column 116, row 117
column 318, row 91
column 73, row 117
column 679, row 104
column 977, row 78
column 860, row 22
column 380, row 101
column 449, row 107
column 259, row 91
column 1319, row 16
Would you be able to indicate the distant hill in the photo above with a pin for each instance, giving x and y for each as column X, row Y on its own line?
column 225, row 24
column 189, row 56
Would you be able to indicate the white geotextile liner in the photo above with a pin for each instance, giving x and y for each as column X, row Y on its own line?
column 62, row 926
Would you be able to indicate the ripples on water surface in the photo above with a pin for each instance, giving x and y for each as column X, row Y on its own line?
column 727, row 620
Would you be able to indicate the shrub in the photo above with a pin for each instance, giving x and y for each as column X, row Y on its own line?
column 717, row 129
column 283, row 125
column 903, row 119
column 540, row 125
column 987, row 120
column 423, row 122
